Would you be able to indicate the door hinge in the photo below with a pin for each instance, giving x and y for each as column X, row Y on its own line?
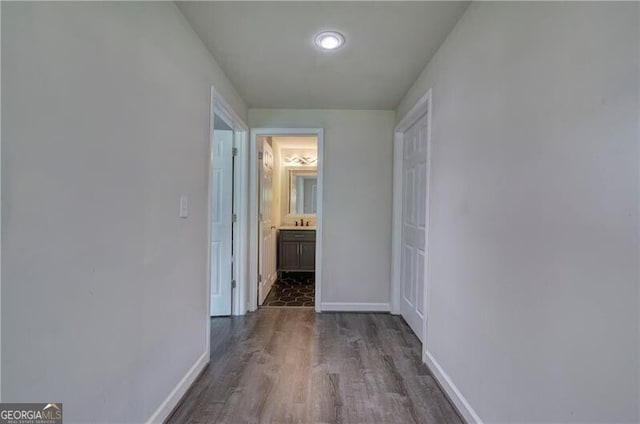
column 259, row 278
column 260, row 155
column 233, row 284
column 235, row 151
column 234, row 218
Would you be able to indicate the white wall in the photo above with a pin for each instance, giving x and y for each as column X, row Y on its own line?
column 105, row 113
column 357, row 198
column 533, row 309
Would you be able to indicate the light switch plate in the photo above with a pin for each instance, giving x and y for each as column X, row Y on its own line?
column 184, row 206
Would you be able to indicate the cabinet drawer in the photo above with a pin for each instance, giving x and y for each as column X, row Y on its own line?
column 299, row 235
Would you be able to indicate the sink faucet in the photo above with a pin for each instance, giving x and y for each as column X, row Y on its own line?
column 301, row 222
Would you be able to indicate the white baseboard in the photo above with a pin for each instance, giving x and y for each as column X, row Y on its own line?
column 452, row 391
column 163, row 411
column 354, row 307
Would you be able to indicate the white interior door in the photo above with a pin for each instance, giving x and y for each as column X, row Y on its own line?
column 221, row 222
column 414, row 214
column 267, row 254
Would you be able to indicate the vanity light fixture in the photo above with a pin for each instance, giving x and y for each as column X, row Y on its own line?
column 301, row 160
column 329, row 40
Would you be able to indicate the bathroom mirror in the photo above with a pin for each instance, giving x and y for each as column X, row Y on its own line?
column 303, row 191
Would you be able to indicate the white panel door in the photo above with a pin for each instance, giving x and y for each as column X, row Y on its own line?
column 221, row 222
column 414, row 213
column 267, row 255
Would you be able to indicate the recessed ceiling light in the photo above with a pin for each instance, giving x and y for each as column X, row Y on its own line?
column 329, row 40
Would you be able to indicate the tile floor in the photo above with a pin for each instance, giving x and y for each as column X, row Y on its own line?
column 292, row 289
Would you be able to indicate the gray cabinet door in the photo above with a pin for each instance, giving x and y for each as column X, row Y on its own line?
column 288, row 255
column 297, row 250
column 307, row 258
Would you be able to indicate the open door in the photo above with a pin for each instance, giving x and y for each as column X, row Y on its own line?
column 222, row 222
column 267, row 237
column 414, row 223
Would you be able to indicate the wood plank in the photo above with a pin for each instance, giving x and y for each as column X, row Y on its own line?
column 296, row 366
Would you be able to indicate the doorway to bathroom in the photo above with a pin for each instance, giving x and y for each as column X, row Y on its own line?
column 286, row 213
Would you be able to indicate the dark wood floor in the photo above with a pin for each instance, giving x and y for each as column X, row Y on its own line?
column 296, row 366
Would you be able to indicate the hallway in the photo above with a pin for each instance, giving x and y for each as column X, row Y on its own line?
column 477, row 180
column 295, row 366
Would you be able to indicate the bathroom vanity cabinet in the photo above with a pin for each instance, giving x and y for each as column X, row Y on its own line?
column 297, row 250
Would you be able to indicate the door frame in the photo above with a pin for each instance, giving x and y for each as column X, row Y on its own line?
column 422, row 107
column 252, row 280
column 219, row 106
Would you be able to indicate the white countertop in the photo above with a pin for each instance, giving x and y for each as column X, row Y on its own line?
column 293, row 227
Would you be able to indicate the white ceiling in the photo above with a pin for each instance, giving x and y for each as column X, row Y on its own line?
column 295, row 142
column 295, row 146
column 266, row 49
